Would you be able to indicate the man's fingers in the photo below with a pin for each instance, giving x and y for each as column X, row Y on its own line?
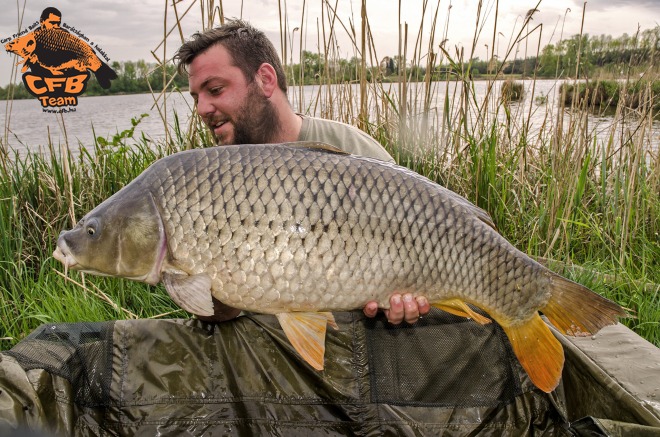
column 423, row 305
column 402, row 308
column 410, row 308
column 370, row 309
column 395, row 314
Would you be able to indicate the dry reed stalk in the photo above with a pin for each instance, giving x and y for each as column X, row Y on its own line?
column 403, row 94
column 163, row 115
column 303, row 29
column 362, row 118
column 64, row 158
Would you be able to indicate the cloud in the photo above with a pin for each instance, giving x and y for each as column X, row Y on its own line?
column 649, row 5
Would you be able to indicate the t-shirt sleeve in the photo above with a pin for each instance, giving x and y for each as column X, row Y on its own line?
column 343, row 136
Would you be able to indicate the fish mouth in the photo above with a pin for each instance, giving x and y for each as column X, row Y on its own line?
column 64, row 255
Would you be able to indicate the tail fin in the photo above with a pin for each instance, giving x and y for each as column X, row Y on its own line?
column 104, row 75
column 578, row 311
column 572, row 308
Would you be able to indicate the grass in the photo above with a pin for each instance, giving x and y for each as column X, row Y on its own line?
column 588, row 207
column 43, row 194
column 604, row 94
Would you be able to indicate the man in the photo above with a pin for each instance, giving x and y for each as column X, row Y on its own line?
column 51, row 18
column 240, row 91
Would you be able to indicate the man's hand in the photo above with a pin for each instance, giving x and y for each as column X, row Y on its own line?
column 401, row 308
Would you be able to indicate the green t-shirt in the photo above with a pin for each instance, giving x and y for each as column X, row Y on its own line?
column 343, row 136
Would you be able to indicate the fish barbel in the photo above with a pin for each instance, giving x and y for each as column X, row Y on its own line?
column 303, row 229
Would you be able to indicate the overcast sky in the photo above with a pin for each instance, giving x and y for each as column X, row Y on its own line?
column 131, row 29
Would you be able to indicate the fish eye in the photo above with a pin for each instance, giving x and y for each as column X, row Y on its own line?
column 91, row 227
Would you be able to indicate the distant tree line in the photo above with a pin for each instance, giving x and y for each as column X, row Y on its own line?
column 601, row 52
column 611, row 56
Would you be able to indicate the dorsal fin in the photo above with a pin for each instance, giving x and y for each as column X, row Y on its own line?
column 485, row 217
column 317, row 146
column 480, row 213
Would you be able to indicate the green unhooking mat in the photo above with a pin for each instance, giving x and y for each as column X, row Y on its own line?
column 445, row 375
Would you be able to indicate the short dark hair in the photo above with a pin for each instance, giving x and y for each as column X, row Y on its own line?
column 248, row 47
column 46, row 13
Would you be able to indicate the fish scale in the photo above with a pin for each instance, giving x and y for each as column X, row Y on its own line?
column 299, row 230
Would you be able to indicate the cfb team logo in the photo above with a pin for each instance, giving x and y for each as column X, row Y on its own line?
column 59, row 62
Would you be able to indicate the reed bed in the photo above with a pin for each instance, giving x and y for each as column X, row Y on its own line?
column 589, row 208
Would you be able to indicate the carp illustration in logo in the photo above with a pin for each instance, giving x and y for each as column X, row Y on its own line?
column 59, row 62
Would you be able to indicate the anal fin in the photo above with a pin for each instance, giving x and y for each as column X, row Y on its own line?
column 306, row 332
column 459, row 308
column 539, row 352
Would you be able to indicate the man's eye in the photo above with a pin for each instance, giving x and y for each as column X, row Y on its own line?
column 215, row 91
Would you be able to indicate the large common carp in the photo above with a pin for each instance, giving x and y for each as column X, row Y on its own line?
column 303, row 229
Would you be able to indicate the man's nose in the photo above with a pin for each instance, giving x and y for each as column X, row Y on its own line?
column 204, row 107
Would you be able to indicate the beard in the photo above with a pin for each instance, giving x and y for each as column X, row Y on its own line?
column 256, row 121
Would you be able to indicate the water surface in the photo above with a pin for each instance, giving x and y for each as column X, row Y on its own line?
column 30, row 128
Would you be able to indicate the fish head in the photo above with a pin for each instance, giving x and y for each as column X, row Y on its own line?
column 123, row 237
column 22, row 46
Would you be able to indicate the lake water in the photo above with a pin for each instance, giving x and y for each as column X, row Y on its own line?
column 30, row 128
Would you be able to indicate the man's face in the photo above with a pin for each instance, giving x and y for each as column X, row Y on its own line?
column 236, row 111
column 52, row 22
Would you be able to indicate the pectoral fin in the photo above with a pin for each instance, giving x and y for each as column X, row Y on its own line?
column 192, row 293
column 459, row 308
column 306, row 332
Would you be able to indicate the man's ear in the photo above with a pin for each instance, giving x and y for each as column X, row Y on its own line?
column 266, row 78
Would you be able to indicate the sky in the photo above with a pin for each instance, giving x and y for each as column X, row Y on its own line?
column 131, row 29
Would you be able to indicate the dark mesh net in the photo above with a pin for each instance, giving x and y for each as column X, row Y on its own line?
column 78, row 352
column 441, row 361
